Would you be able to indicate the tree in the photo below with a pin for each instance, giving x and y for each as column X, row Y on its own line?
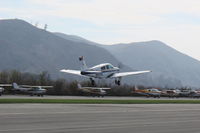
column 15, row 76
column 44, row 78
column 4, row 77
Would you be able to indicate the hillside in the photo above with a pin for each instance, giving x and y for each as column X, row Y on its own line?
column 165, row 62
column 29, row 49
column 170, row 67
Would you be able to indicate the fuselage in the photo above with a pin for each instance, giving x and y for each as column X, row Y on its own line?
column 100, row 92
column 36, row 91
column 105, row 70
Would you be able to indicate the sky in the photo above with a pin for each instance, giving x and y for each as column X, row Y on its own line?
column 174, row 22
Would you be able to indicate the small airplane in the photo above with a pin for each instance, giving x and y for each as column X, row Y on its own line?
column 2, row 87
column 185, row 92
column 171, row 93
column 95, row 91
column 101, row 71
column 153, row 92
column 32, row 90
column 141, row 92
column 194, row 94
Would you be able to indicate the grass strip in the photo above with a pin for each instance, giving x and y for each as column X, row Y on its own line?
column 98, row 101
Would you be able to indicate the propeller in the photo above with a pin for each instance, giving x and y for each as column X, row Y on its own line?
column 120, row 65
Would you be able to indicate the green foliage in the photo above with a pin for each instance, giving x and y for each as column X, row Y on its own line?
column 99, row 101
column 61, row 86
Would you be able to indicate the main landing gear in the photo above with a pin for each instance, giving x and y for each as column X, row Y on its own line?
column 92, row 82
column 117, row 82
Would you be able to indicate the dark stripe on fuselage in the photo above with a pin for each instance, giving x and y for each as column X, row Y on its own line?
column 87, row 72
column 98, row 74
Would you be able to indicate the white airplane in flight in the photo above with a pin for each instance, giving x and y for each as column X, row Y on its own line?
column 101, row 71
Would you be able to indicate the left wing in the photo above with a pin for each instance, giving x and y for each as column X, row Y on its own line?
column 30, row 86
column 122, row 74
column 75, row 72
column 5, row 85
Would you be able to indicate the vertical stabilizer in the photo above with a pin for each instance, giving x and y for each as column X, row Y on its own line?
column 79, row 86
column 136, row 88
column 15, row 86
column 83, row 64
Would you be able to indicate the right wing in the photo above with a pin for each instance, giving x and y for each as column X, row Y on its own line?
column 75, row 72
column 122, row 74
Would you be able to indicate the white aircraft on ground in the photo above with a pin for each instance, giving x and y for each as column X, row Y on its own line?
column 32, row 90
column 94, row 91
column 101, row 71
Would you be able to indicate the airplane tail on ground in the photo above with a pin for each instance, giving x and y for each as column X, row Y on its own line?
column 136, row 88
column 15, row 86
column 84, row 66
column 79, row 86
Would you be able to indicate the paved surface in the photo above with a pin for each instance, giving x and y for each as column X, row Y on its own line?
column 106, row 118
column 88, row 97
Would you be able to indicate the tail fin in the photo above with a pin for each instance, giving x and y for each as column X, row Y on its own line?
column 84, row 66
column 15, row 86
column 136, row 88
column 79, row 86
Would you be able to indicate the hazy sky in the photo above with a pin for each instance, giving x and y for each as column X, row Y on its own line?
column 175, row 22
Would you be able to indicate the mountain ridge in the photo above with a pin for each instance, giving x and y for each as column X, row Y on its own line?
column 124, row 53
column 27, row 48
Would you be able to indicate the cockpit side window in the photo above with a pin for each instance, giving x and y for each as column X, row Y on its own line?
column 103, row 68
column 110, row 66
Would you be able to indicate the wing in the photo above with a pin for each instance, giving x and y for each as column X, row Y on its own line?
column 30, row 86
column 75, row 72
column 5, row 85
column 95, row 88
column 122, row 74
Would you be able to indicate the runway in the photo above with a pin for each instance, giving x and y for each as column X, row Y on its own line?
column 89, row 97
column 98, row 118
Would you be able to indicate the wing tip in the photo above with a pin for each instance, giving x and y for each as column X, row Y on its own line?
column 62, row 70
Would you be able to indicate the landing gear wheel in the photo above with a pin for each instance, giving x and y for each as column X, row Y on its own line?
column 117, row 82
column 92, row 82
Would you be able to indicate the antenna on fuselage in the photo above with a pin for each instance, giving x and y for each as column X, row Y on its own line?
column 84, row 66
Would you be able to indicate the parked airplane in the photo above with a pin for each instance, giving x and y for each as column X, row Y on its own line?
column 147, row 92
column 154, row 92
column 32, row 90
column 185, row 92
column 105, row 70
column 194, row 94
column 141, row 92
column 2, row 89
column 94, row 91
column 171, row 93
